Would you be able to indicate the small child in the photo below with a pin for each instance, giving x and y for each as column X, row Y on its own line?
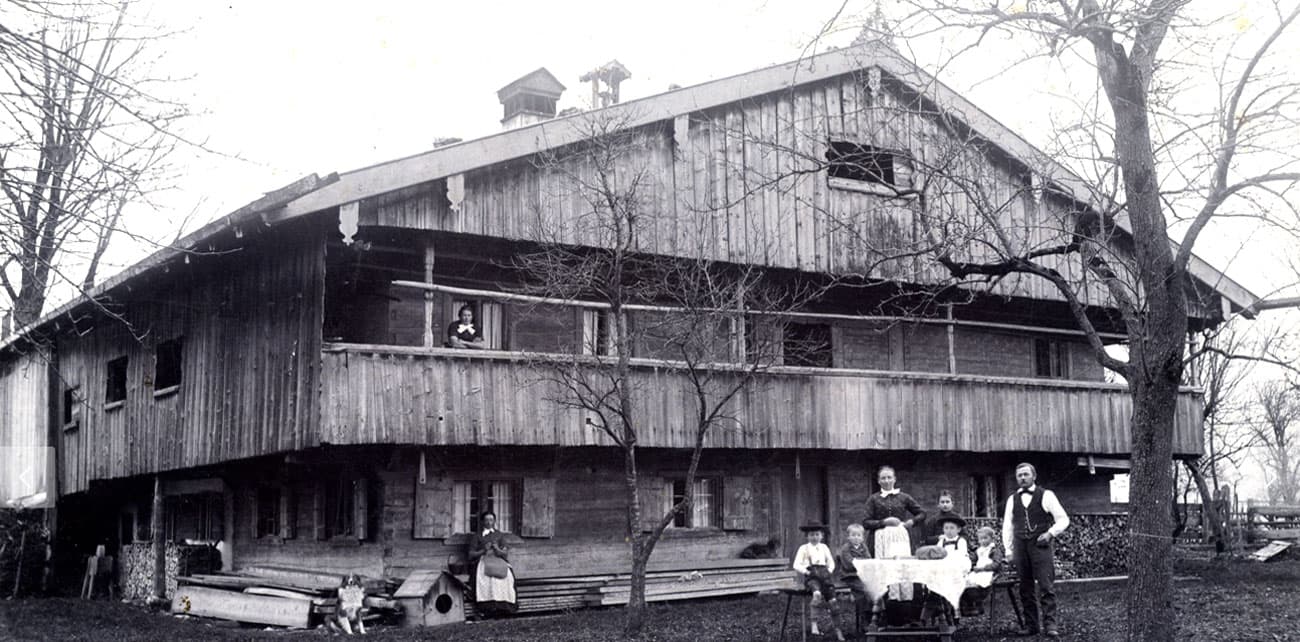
column 352, row 598
column 934, row 523
column 814, row 564
column 951, row 541
column 987, row 560
column 854, row 549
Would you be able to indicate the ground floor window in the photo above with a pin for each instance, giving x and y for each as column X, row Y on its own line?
column 985, row 492
column 469, row 499
column 706, row 509
column 268, row 511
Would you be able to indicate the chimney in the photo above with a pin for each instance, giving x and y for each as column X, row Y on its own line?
column 530, row 99
column 610, row 75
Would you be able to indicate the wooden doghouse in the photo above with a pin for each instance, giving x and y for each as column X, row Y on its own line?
column 431, row 598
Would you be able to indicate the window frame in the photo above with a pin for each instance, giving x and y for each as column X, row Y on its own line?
column 340, row 489
column 70, row 412
column 789, row 352
column 163, row 387
column 512, row 522
column 689, row 520
column 1054, row 354
column 116, row 374
column 261, row 519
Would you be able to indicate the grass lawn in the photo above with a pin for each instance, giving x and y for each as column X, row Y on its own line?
column 1232, row 601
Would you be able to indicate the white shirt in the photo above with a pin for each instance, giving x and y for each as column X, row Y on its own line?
column 813, row 555
column 1060, row 521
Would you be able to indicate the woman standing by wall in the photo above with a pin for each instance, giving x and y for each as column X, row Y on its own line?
column 494, row 579
column 890, row 513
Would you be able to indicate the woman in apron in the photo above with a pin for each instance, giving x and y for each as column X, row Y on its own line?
column 494, row 579
column 890, row 513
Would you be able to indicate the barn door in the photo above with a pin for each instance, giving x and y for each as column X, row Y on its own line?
column 803, row 499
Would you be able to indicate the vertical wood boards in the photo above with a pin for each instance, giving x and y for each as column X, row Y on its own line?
column 499, row 401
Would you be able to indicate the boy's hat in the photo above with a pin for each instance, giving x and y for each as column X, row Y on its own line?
column 814, row 525
column 955, row 519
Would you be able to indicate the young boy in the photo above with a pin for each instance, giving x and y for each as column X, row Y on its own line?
column 933, row 524
column 854, row 549
column 814, row 564
column 951, row 541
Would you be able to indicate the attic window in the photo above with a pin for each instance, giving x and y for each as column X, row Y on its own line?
column 851, row 161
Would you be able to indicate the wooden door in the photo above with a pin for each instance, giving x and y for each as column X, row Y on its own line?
column 803, row 499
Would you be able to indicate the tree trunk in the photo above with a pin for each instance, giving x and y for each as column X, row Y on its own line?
column 1150, row 588
column 159, row 545
column 636, row 605
column 1209, row 510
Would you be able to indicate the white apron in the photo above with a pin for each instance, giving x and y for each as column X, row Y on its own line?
column 893, row 542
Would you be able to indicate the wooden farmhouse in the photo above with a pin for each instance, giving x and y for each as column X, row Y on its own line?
column 290, row 389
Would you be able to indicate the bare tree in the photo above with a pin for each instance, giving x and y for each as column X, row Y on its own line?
column 1277, row 430
column 1158, row 154
column 88, row 134
column 713, row 328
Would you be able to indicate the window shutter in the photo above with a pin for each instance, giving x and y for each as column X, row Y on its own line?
column 318, row 509
column 253, row 512
column 539, row 507
column 361, row 519
column 432, row 508
column 651, row 491
column 288, row 513
column 738, row 504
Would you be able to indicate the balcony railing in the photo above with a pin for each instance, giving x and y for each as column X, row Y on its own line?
column 385, row 394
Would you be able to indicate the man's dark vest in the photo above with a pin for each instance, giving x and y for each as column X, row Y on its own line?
column 1030, row 521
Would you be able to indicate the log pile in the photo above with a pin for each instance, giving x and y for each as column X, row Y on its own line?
column 276, row 596
column 136, row 563
column 1095, row 545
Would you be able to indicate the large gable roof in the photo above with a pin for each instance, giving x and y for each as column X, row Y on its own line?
column 313, row 194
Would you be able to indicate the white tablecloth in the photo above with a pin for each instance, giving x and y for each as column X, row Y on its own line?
column 947, row 577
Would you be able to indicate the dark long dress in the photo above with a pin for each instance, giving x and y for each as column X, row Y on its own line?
column 899, row 505
column 492, row 595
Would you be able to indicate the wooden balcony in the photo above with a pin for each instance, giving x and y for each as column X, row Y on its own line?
column 383, row 394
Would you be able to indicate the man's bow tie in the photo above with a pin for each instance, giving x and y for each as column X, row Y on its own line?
column 1026, row 491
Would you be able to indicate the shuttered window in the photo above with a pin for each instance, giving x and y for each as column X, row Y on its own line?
column 706, row 508
column 470, row 499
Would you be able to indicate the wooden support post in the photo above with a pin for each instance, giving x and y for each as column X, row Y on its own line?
column 228, row 528
column 159, row 543
column 952, row 342
column 429, row 336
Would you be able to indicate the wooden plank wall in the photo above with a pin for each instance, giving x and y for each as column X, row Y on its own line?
column 24, row 422
column 590, row 509
column 742, row 185
column 251, row 324
column 378, row 396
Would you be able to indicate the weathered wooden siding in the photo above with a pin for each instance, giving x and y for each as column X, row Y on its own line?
column 251, row 326
column 24, row 423
column 788, row 489
column 747, row 183
column 446, row 397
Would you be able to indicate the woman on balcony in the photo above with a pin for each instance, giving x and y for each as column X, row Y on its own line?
column 890, row 513
column 463, row 333
column 494, row 579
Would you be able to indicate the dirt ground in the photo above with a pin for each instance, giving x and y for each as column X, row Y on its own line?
column 1235, row 600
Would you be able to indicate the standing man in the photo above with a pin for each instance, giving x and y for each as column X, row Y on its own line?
column 1030, row 525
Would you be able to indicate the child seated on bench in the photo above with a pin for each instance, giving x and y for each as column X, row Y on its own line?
column 814, row 564
column 987, row 561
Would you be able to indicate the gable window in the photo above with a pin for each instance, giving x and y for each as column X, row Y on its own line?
column 851, row 161
column 1051, row 358
column 115, row 382
column 469, row 499
column 167, row 366
column 706, row 509
column 807, row 344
